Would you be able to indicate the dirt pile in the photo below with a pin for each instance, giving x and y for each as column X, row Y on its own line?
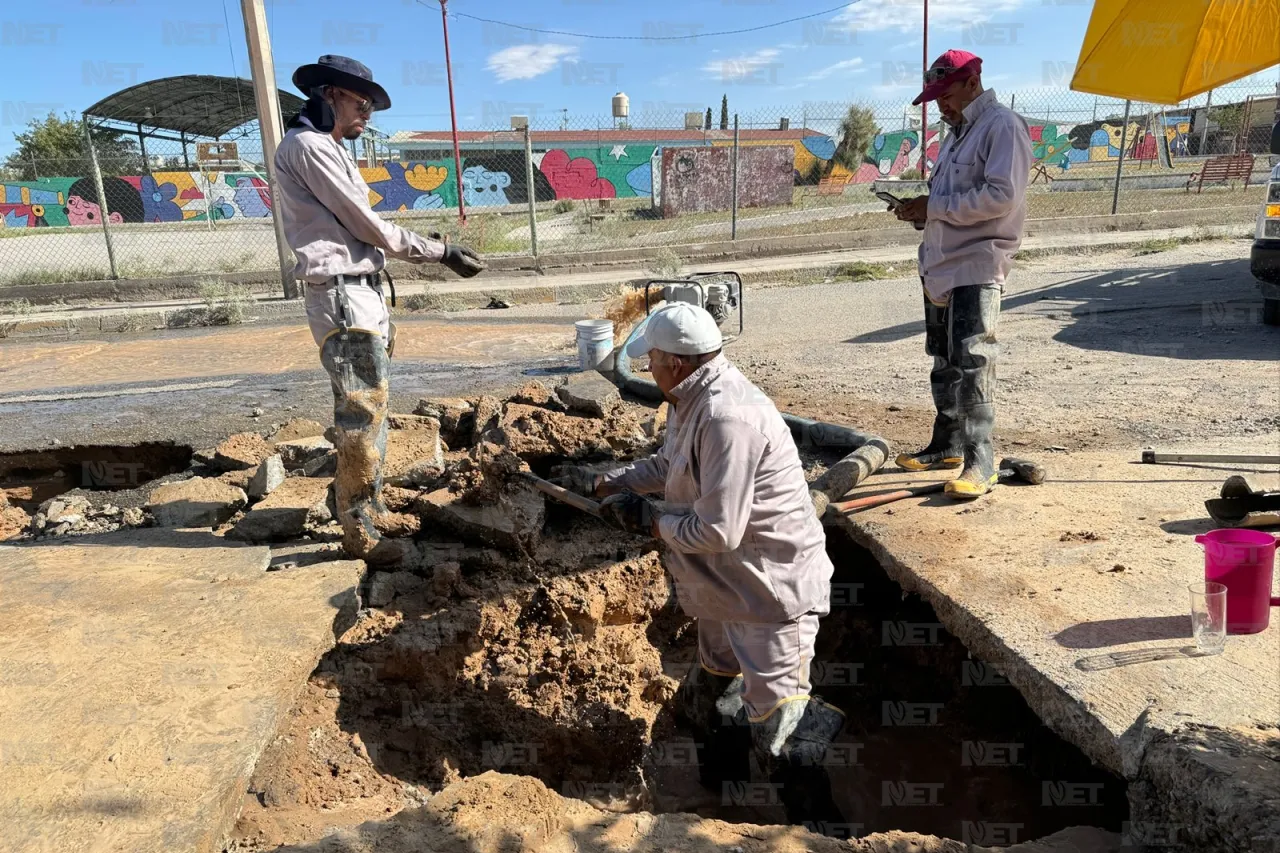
column 496, row 813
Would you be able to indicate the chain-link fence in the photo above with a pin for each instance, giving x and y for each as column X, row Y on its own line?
column 655, row 180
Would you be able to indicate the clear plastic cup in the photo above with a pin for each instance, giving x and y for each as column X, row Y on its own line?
column 1209, row 616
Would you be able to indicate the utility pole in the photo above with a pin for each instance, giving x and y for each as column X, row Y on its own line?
column 453, row 114
column 1204, row 131
column 265, row 94
column 924, row 105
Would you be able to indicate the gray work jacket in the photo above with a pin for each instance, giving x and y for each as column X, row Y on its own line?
column 326, row 214
column 977, row 200
column 744, row 544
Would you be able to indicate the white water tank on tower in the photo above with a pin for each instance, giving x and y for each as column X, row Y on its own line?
column 621, row 105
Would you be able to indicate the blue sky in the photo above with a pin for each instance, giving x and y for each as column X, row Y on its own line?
column 66, row 54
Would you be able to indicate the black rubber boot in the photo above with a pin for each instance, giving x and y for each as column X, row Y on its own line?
column 791, row 745
column 943, row 450
column 710, row 706
column 359, row 370
column 974, row 313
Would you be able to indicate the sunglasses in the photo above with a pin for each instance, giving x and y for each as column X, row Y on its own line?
column 363, row 105
column 933, row 75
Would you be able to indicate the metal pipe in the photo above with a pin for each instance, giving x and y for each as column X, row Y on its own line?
column 1204, row 131
column 533, row 200
column 1124, row 138
column 924, row 106
column 733, row 228
column 104, row 212
column 453, row 114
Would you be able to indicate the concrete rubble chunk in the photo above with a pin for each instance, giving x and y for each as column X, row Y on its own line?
column 589, row 393
column 267, row 477
column 321, row 466
column 197, row 502
column 296, row 453
column 296, row 428
column 414, row 453
column 532, row 393
column 385, row 586
column 514, row 523
column 240, row 479
column 488, row 412
column 14, row 521
column 286, row 512
column 241, row 451
column 455, row 417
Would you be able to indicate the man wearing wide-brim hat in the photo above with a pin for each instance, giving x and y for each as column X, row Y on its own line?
column 341, row 247
column 972, row 220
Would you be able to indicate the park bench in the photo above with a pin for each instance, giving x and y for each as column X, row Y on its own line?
column 1220, row 169
column 833, row 185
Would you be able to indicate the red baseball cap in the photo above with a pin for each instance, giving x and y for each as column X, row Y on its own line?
column 952, row 66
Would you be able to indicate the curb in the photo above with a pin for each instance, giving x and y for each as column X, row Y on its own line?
column 538, row 290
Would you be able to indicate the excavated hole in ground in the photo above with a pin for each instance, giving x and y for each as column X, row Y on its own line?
column 52, row 472
column 569, row 676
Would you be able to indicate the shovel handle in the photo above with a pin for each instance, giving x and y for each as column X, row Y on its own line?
column 563, row 495
column 888, row 497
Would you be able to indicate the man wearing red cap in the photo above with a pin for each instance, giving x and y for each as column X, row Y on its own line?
column 972, row 218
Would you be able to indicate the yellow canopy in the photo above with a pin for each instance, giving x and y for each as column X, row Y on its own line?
column 1166, row 51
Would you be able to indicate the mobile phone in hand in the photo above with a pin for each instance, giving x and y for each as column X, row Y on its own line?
column 890, row 199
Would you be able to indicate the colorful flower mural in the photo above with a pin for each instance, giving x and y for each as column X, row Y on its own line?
column 499, row 177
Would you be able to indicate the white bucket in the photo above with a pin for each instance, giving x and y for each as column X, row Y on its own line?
column 595, row 344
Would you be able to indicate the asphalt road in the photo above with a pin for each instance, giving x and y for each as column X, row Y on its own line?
column 1115, row 350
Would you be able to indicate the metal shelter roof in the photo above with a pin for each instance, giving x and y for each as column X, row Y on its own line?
column 194, row 104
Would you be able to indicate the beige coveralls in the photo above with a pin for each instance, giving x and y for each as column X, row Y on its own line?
column 746, row 551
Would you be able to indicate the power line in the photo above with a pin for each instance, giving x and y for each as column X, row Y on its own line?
column 653, row 37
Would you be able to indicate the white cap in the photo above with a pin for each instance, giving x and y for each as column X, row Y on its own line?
column 680, row 329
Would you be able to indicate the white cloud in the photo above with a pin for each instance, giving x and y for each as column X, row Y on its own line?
column 526, row 61
column 848, row 66
column 906, row 15
column 741, row 67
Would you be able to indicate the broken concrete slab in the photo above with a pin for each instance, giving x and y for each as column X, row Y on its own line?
column 296, row 428
column 414, row 453
column 240, row 478
column 144, row 673
column 286, row 512
column 320, row 466
column 1075, row 591
column 241, row 451
column 532, row 393
column 266, row 477
column 297, row 452
column 14, row 521
column 514, row 523
column 385, row 586
column 487, row 412
column 455, row 416
column 590, row 394
column 197, row 502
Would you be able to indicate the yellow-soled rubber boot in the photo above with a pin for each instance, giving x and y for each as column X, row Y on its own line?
column 972, row 483
column 929, row 460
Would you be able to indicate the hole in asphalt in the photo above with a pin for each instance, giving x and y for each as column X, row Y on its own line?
column 48, row 473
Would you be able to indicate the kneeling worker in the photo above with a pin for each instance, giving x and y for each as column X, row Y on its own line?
column 748, row 556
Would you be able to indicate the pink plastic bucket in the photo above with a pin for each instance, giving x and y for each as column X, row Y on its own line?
column 1243, row 561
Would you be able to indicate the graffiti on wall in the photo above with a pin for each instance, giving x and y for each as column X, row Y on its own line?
column 159, row 197
column 499, row 177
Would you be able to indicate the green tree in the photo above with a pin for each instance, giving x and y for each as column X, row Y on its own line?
column 1229, row 117
column 857, row 131
column 708, row 123
column 724, row 112
column 56, row 146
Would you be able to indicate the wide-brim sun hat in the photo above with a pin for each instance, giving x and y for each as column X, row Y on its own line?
column 345, row 73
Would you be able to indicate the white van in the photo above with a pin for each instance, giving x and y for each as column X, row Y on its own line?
column 1264, row 259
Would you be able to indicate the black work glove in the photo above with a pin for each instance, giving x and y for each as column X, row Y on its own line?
column 576, row 479
column 461, row 260
column 630, row 512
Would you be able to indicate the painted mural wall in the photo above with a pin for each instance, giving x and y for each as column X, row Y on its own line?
column 498, row 177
